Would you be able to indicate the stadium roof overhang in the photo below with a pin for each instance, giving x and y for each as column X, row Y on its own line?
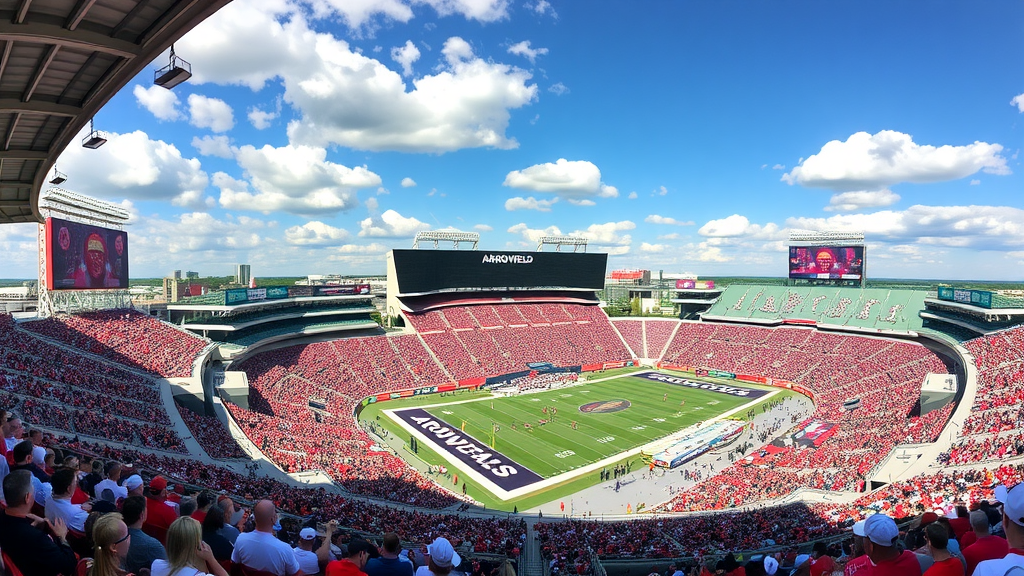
column 60, row 62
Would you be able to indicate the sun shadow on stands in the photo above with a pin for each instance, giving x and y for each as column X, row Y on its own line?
column 127, row 337
column 57, row 387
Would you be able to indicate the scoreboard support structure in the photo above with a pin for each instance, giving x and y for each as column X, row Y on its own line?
column 57, row 202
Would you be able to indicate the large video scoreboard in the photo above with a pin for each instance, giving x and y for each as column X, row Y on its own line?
column 85, row 257
column 431, row 271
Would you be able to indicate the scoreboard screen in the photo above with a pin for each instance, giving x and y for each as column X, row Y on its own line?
column 826, row 262
column 425, row 271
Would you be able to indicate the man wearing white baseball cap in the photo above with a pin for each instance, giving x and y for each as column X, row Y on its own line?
column 441, row 559
column 880, row 543
column 1013, row 524
column 304, row 554
column 860, row 560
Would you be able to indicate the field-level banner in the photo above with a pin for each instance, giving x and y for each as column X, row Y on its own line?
column 720, row 388
column 491, row 464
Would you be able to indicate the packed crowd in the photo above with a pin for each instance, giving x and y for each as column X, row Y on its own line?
column 105, row 477
column 211, row 434
column 337, row 375
column 884, row 375
column 568, row 546
column 489, row 340
column 59, row 388
column 127, row 337
column 993, row 430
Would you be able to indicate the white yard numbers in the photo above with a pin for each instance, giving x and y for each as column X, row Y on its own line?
column 639, row 427
column 605, row 440
column 448, row 412
column 659, row 419
column 564, row 454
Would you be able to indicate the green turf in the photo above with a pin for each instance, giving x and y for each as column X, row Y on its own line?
column 555, row 447
column 398, row 439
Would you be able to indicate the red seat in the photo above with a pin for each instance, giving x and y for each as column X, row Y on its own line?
column 9, row 568
column 82, row 568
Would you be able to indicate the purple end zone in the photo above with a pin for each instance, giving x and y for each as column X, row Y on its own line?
column 495, row 466
column 720, row 388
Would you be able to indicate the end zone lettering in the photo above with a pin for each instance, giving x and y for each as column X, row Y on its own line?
column 496, row 467
column 507, row 259
column 720, row 388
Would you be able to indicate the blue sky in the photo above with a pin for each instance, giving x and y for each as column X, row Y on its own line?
column 677, row 136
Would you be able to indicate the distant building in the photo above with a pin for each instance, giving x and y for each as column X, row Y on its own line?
column 176, row 275
column 242, row 274
column 174, row 289
column 191, row 275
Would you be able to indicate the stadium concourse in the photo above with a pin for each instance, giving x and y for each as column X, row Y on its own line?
column 96, row 384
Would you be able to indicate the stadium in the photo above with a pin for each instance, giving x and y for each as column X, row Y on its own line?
column 486, row 396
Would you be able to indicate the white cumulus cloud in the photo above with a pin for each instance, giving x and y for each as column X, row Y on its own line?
column 656, row 219
column 218, row 146
column 1018, row 101
column 212, row 113
column 391, row 224
column 346, row 98
column 523, row 49
column 315, row 233
column 405, row 56
column 573, row 179
column 531, row 203
column 875, row 161
column 136, row 167
column 161, row 102
column 653, row 248
column 296, row 179
column 990, row 227
column 558, row 89
column 608, row 236
column 853, row 201
column 408, row 182
column 533, row 235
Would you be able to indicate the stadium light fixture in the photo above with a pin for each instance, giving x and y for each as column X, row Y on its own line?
column 58, row 177
column 82, row 207
column 176, row 72
column 577, row 243
column 456, row 237
column 95, row 139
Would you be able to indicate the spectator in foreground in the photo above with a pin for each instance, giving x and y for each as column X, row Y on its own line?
column 354, row 562
column 159, row 515
column 204, row 501
column 880, row 536
column 117, row 492
column 987, row 546
column 22, row 535
column 187, row 554
column 389, row 564
column 304, row 554
column 260, row 549
column 112, row 540
column 213, row 524
column 821, row 563
column 944, row 563
column 441, row 559
column 64, row 482
column 144, row 548
column 1013, row 526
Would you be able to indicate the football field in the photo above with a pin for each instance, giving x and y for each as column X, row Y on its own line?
column 517, row 445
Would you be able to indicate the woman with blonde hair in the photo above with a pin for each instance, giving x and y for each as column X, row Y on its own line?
column 111, row 541
column 187, row 554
